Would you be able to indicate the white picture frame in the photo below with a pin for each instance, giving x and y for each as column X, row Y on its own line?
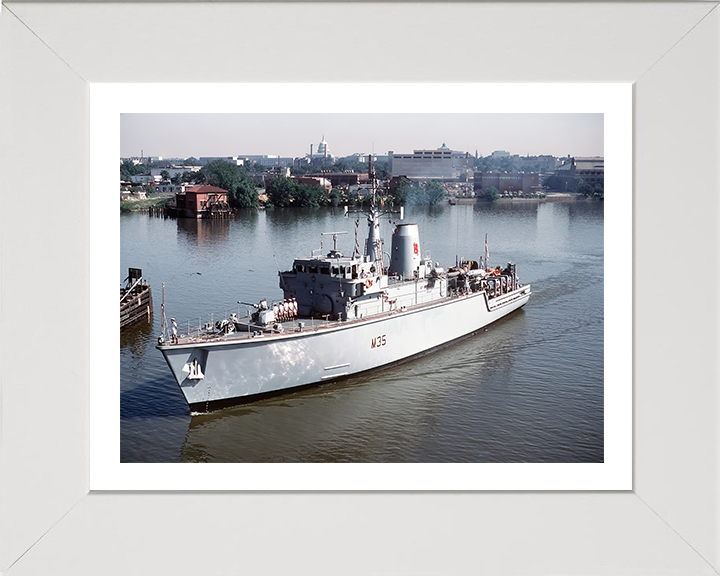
column 668, row 523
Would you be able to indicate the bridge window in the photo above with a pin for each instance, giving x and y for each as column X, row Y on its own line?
column 325, row 270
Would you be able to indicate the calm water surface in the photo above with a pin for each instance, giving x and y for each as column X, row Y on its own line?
column 529, row 389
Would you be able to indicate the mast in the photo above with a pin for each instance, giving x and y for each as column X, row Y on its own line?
column 487, row 253
column 372, row 248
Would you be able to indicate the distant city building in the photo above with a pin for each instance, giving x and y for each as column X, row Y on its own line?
column 142, row 159
column 322, row 156
column 271, row 160
column 165, row 188
column 174, row 170
column 543, row 163
column 261, row 179
column 587, row 170
column 363, row 157
column 231, row 159
column 591, row 170
column 323, row 148
column 145, row 179
column 441, row 163
column 500, row 154
column 524, row 182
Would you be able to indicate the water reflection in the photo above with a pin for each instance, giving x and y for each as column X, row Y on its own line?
column 250, row 219
column 291, row 217
column 134, row 338
column 149, row 400
column 513, row 209
column 204, row 231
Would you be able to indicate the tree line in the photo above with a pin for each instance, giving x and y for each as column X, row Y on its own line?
column 242, row 191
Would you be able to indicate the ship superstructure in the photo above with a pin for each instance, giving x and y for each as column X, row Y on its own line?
column 341, row 315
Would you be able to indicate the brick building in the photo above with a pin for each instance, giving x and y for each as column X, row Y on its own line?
column 203, row 202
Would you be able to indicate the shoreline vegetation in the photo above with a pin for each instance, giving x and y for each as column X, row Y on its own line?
column 283, row 191
column 146, row 204
column 161, row 202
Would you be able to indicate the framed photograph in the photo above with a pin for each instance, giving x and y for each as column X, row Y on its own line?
column 60, row 507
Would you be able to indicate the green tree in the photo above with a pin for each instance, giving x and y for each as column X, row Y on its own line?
column 128, row 169
column 552, row 182
column 244, row 195
column 221, row 174
column 406, row 193
column 586, row 189
column 302, row 169
column 280, row 191
column 165, row 175
column 341, row 166
column 194, row 177
column 490, row 193
column 242, row 192
column 400, row 194
column 382, row 169
column 335, row 197
column 310, row 196
column 434, row 192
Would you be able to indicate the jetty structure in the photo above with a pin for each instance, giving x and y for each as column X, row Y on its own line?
column 340, row 316
column 135, row 299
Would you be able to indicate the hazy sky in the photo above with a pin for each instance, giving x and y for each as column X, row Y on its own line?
column 185, row 135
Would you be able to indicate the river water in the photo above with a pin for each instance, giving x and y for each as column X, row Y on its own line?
column 528, row 389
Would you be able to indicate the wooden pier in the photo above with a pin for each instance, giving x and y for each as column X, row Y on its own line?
column 135, row 299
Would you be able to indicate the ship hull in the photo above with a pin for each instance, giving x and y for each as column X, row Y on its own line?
column 242, row 370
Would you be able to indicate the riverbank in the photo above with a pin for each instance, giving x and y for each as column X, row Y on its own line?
column 548, row 197
column 142, row 205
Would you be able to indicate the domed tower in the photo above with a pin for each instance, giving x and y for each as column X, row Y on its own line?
column 323, row 148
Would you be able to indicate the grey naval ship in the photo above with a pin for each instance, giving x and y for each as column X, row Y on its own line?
column 340, row 316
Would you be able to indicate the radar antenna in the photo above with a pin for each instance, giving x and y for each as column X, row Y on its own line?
column 334, row 235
